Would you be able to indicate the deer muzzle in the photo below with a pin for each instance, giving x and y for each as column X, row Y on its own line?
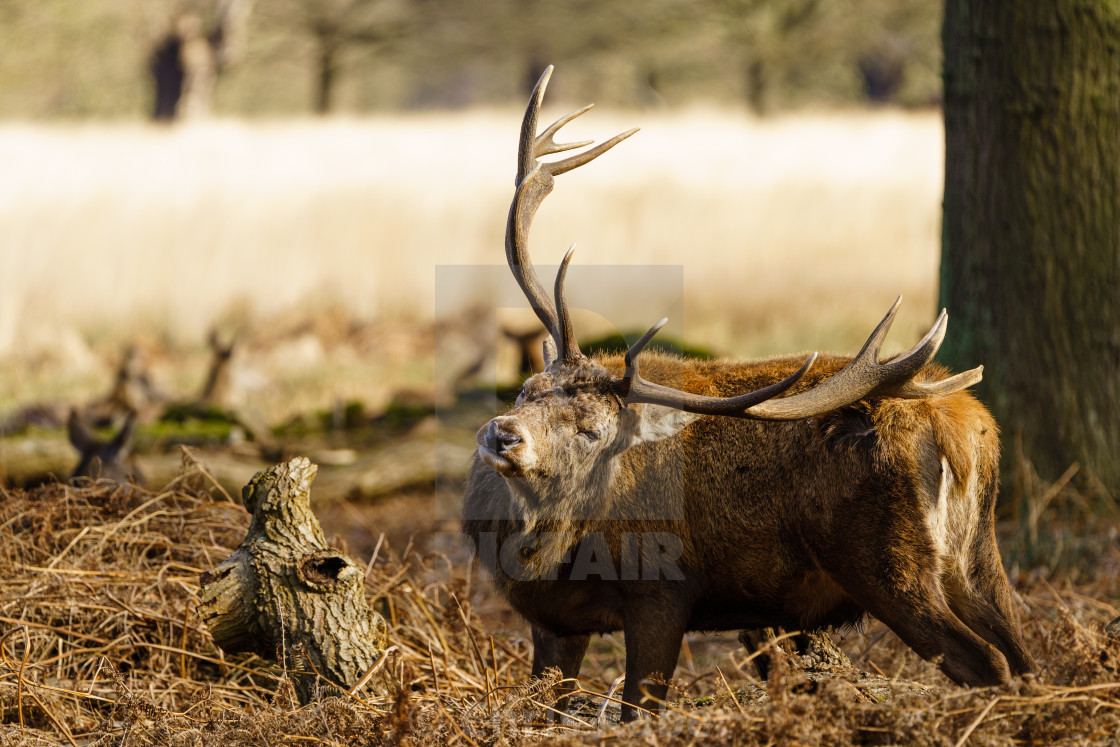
column 504, row 445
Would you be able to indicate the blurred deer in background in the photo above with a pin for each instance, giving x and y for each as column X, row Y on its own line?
column 132, row 392
column 103, row 460
column 530, row 357
column 218, row 391
column 718, row 495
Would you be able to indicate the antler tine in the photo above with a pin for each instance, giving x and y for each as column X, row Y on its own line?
column 638, row 390
column 924, row 351
column 865, row 376
column 526, row 146
column 563, row 166
column 875, row 340
column 569, row 348
column 631, row 357
column 545, row 144
column 922, row 389
column 534, row 183
column 532, row 146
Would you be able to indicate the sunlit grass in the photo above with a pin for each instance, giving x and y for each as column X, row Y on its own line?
column 793, row 233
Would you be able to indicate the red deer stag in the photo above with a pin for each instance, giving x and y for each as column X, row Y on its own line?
column 692, row 495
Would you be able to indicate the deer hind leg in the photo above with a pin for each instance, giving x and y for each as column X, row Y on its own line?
column 921, row 616
column 972, row 575
column 903, row 589
column 981, row 598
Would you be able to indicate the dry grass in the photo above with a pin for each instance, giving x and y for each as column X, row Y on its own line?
column 99, row 644
column 112, row 231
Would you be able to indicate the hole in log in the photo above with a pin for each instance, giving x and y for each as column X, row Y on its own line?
column 208, row 577
column 321, row 570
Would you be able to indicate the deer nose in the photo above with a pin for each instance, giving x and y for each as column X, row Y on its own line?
column 498, row 439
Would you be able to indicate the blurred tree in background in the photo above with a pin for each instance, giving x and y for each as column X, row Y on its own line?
column 339, row 29
column 1030, row 264
column 115, row 58
column 814, row 51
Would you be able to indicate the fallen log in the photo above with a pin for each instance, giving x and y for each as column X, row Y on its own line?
column 286, row 595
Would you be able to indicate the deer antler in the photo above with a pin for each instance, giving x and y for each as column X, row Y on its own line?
column 636, row 389
column 568, row 346
column 863, row 377
column 534, row 182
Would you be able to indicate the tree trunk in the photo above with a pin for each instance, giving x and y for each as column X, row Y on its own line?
column 1030, row 268
column 328, row 66
column 284, row 592
column 758, row 86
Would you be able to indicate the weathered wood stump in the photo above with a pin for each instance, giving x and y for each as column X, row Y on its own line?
column 285, row 594
column 814, row 650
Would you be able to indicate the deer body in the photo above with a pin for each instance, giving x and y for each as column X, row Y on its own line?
column 682, row 495
column 886, row 507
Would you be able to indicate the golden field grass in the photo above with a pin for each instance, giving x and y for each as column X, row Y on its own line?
column 793, row 233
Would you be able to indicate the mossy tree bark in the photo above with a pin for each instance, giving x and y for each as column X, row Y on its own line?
column 1030, row 268
column 285, row 593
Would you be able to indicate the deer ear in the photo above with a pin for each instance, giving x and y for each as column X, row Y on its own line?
column 123, row 440
column 655, row 422
column 549, row 351
column 78, row 431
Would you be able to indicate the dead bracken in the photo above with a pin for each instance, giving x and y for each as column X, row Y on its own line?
column 100, row 643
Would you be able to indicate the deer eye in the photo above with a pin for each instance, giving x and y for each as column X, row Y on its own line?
column 590, row 435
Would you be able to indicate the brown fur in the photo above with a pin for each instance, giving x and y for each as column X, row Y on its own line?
column 884, row 507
